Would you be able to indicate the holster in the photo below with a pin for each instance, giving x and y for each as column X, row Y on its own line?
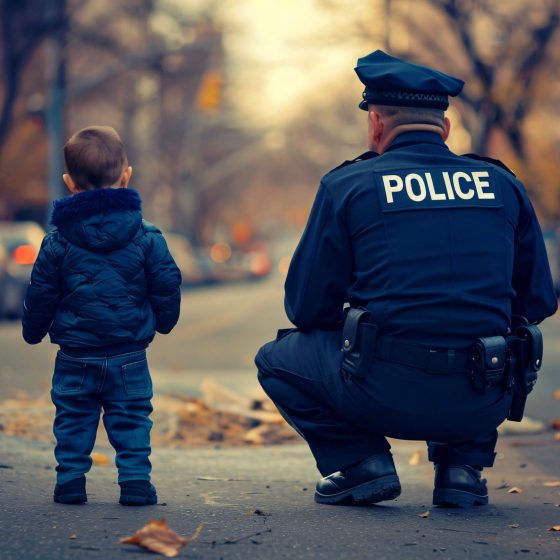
column 359, row 336
column 525, row 363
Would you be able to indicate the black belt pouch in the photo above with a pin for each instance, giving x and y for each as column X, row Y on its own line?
column 489, row 357
column 358, row 343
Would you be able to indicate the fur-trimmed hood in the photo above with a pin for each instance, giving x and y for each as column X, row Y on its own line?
column 100, row 219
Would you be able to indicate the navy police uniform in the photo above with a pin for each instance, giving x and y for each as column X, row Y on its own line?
column 440, row 249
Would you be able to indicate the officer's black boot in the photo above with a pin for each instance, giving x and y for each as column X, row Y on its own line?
column 71, row 492
column 459, row 486
column 372, row 480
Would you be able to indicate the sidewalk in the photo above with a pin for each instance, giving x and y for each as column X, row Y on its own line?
column 258, row 503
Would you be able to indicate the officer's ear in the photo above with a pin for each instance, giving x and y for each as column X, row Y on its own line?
column 376, row 126
column 446, row 128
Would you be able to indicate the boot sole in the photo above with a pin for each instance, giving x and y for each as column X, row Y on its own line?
column 378, row 490
column 446, row 497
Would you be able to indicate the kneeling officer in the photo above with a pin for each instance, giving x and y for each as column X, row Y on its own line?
column 435, row 254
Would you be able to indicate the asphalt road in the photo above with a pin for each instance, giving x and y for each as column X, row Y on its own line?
column 257, row 502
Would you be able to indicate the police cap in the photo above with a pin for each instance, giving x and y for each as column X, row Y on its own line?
column 391, row 81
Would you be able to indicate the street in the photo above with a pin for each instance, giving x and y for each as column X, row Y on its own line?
column 258, row 502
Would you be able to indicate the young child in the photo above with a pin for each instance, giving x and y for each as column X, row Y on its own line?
column 104, row 282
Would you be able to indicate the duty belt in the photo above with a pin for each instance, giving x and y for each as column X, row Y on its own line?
column 485, row 360
column 437, row 361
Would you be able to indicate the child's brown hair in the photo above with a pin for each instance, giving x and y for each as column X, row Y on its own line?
column 95, row 157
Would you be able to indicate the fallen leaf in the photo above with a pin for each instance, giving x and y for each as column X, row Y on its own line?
column 515, row 490
column 557, row 436
column 555, row 424
column 424, row 515
column 156, row 536
column 261, row 512
column 514, row 525
column 556, row 394
column 552, row 484
column 269, row 434
column 100, row 459
column 555, row 528
column 415, row 459
column 180, row 421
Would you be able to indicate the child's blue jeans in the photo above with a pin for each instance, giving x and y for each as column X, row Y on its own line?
column 122, row 386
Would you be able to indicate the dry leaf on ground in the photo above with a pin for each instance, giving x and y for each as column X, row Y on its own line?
column 515, row 490
column 555, row 424
column 557, row 436
column 156, row 536
column 415, row 459
column 424, row 515
column 223, row 416
column 270, row 434
column 555, row 528
column 552, row 484
column 259, row 512
column 556, row 394
column 100, row 459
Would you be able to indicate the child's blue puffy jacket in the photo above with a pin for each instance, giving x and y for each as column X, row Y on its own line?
column 103, row 277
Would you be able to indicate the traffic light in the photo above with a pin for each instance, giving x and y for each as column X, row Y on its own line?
column 209, row 93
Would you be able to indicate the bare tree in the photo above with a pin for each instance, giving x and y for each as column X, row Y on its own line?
column 135, row 64
column 25, row 25
column 505, row 63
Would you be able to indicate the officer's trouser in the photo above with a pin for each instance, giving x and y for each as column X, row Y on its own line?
column 346, row 420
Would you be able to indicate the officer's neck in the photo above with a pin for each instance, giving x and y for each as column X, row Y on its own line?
column 391, row 134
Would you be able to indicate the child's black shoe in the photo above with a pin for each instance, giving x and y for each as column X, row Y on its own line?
column 137, row 493
column 71, row 492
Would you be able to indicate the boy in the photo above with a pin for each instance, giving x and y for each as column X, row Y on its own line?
column 104, row 282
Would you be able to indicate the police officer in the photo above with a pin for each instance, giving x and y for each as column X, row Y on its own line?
column 428, row 251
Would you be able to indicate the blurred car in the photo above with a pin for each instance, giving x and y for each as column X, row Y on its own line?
column 19, row 246
column 230, row 264
column 196, row 270
column 283, row 249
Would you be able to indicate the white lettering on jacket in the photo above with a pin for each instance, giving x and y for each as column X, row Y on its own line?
column 457, row 185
